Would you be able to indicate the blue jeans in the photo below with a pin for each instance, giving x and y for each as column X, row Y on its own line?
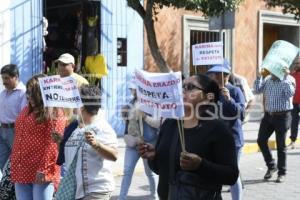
column 34, row 191
column 6, row 141
column 236, row 190
column 131, row 158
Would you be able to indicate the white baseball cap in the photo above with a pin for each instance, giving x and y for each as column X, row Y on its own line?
column 66, row 58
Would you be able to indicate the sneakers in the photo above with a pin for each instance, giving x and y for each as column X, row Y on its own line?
column 270, row 173
column 280, row 179
column 292, row 145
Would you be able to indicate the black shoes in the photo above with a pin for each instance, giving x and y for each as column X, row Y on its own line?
column 280, row 178
column 270, row 173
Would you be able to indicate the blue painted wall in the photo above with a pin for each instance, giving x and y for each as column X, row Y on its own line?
column 119, row 20
column 26, row 36
column 24, row 43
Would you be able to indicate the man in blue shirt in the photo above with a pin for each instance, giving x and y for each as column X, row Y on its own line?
column 232, row 110
column 278, row 105
column 12, row 101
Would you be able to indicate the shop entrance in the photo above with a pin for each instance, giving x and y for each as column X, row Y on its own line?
column 273, row 32
column 73, row 27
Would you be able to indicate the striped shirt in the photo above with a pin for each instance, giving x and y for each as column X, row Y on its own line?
column 277, row 94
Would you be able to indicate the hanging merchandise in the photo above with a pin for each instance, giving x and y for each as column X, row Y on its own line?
column 45, row 31
column 96, row 65
column 78, row 36
column 92, row 40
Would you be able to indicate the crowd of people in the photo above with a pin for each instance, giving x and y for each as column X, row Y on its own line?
column 41, row 146
column 43, row 151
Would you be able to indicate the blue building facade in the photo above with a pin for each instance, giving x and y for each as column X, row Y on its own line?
column 21, row 36
column 119, row 21
column 21, row 43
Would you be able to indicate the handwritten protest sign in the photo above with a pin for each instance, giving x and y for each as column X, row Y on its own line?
column 208, row 53
column 160, row 93
column 60, row 92
column 280, row 56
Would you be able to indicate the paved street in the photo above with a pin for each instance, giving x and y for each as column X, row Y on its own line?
column 252, row 168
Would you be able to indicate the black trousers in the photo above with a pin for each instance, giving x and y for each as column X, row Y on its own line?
column 295, row 122
column 280, row 123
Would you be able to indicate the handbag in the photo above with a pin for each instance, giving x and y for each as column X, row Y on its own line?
column 7, row 188
column 68, row 185
column 184, row 185
column 130, row 140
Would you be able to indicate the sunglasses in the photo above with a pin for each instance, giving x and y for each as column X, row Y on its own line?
column 190, row 87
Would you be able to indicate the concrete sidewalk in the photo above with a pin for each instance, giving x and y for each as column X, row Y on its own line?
column 250, row 136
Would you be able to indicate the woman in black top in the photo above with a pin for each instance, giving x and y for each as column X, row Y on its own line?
column 209, row 160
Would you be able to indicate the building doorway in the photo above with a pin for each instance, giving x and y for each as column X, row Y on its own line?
column 195, row 31
column 275, row 26
column 73, row 27
column 199, row 36
column 273, row 32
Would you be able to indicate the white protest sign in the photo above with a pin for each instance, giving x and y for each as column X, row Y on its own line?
column 60, row 92
column 208, row 53
column 160, row 93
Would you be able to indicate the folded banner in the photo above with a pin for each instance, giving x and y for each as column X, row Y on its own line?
column 160, row 94
column 60, row 92
column 279, row 57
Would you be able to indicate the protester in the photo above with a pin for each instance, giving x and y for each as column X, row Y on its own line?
column 33, row 168
column 210, row 158
column 66, row 67
column 12, row 101
column 241, row 82
column 132, row 135
column 94, row 176
column 296, row 103
column 278, row 105
column 232, row 104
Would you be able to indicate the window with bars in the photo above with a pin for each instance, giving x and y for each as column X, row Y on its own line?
column 199, row 36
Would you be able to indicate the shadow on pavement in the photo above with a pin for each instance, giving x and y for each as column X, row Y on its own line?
column 143, row 197
column 250, row 141
column 293, row 153
column 251, row 182
column 145, row 187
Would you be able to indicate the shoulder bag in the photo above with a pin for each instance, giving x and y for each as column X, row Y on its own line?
column 7, row 188
column 68, row 185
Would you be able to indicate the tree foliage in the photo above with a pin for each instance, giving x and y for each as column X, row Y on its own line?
column 207, row 7
column 152, row 7
column 289, row 6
